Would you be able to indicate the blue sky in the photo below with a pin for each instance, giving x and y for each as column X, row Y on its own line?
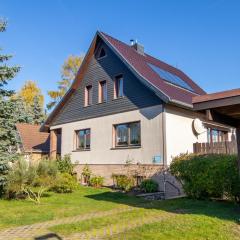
column 202, row 38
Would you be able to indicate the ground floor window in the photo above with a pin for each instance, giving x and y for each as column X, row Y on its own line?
column 127, row 134
column 83, row 139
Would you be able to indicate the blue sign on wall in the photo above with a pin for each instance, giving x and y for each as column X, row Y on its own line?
column 157, row 159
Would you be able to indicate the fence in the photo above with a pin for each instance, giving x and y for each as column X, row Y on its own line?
column 216, row 148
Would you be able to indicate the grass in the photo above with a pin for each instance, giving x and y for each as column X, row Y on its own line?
column 181, row 218
column 188, row 227
column 97, row 223
column 55, row 206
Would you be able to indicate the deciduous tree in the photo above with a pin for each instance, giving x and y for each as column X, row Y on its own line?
column 29, row 92
column 69, row 71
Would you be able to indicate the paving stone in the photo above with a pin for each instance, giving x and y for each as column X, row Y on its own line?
column 39, row 229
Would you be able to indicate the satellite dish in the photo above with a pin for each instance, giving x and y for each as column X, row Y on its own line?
column 198, row 126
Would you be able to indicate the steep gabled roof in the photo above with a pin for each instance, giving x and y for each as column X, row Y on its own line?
column 139, row 65
column 32, row 140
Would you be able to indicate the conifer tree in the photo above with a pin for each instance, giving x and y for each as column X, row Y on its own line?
column 37, row 111
column 7, row 115
column 6, row 73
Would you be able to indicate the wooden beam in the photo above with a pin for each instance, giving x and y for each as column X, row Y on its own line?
column 238, row 147
column 209, row 115
column 53, row 144
column 216, row 103
column 224, row 119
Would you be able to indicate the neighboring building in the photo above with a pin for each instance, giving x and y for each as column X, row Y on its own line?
column 33, row 144
column 127, row 105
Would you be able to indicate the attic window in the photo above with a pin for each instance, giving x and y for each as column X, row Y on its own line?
column 101, row 53
column 88, row 95
column 118, row 86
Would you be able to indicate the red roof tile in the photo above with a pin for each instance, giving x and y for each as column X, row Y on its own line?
column 32, row 139
column 140, row 63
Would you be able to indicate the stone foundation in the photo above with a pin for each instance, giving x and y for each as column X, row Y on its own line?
column 107, row 170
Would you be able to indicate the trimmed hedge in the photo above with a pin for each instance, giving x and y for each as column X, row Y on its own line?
column 206, row 176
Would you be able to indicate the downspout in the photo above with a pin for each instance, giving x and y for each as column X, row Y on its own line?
column 164, row 148
column 164, row 136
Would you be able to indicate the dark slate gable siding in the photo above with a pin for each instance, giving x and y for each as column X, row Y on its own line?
column 136, row 95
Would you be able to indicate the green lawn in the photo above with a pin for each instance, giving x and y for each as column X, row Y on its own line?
column 171, row 219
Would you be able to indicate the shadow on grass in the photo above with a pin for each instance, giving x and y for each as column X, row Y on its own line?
column 220, row 209
column 51, row 236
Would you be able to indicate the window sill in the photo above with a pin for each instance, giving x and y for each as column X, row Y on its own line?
column 115, row 99
column 128, row 147
column 99, row 103
column 88, row 106
column 81, row 150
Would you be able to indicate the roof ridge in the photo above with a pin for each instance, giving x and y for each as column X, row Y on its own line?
column 145, row 53
column 170, row 68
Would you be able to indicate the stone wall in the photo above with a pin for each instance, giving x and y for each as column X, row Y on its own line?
column 107, row 170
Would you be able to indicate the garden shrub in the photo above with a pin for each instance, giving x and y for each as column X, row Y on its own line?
column 65, row 183
column 124, row 182
column 65, row 165
column 20, row 175
column 206, row 176
column 86, row 174
column 96, row 181
column 26, row 180
column 47, row 167
column 149, row 186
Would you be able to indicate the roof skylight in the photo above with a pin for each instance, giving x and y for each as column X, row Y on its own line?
column 170, row 77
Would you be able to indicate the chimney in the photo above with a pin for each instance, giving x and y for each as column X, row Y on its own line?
column 137, row 46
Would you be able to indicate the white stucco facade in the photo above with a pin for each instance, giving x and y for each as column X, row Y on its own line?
column 179, row 131
column 102, row 144
column 163, row 135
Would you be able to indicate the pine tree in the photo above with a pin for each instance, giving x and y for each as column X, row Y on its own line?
column 7, row 115
column 6, row 72
column 37, row 111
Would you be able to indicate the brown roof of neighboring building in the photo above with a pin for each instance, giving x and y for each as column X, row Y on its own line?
column 32, row 140
column 216, row 96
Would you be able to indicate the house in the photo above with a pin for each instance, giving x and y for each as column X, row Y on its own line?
column 34, row 144
column 126, row 105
